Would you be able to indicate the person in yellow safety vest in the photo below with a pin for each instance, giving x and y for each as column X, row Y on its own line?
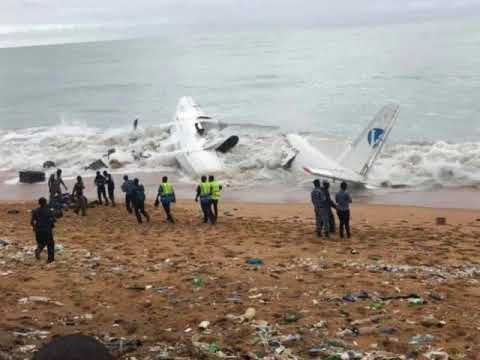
column 204, row 192
column 216, row 188
column 167, row 196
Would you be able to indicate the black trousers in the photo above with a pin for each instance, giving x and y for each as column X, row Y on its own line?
column 332, row 221
column 139, row 208
column 101, row 192
column 128, row 202
column 215, row 208
column 111, row 194
column 45, row 239
column 344, row 218
column 166, row 207
column 208, row 215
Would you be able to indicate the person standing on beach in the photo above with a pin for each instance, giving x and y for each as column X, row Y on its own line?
column 321, row 206
column 101, row 191
column 167, row 196
column 58, row 183
column 139, row 201
column 216, row 188
column 204, row 192
column 51, row 189
column 128, row 188
column 77, row 194
column 135, row 124
column 110, row 186
column 343, row 200
column 43, row 222
column 331, row 204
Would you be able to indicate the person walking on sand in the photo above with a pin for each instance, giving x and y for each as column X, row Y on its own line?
column 139, row 201
column 128, row 188
column 167, row 196
column 320, row 205
column 343, row 200
column 77, row 194
column 216, row 188
column 110, row 186
column 331, row 204
column 101, row 191
column 43, row 222
column 204, row 192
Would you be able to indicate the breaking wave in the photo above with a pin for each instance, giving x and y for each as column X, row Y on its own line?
column 258, row 156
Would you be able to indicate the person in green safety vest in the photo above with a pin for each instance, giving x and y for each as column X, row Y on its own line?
column 204, row 192
column 216, row 188
column 167, row 196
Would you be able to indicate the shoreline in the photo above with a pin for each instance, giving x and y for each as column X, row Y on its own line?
column 439, row 198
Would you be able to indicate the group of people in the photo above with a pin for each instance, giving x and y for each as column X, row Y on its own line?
column 208, row 193
column 323, row 205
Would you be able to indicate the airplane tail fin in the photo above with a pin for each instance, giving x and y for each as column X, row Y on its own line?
column 363, row 152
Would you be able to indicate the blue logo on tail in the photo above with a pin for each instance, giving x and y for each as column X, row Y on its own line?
column 375, row 136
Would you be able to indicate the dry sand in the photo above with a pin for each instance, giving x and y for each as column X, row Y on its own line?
column 157, row 282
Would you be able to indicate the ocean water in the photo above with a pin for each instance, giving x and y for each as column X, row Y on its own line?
column 72, row 102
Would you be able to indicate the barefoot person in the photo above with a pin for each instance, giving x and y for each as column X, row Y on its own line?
column 139, row 201
column 321, row 206
column 167, row 196
column 43, row 222
column 343, row 200
column 216, row 188
column 77, row 194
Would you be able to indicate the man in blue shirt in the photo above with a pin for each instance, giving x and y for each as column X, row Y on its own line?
column 343, row 200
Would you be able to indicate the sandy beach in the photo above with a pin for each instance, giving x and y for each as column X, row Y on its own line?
column 402, row 287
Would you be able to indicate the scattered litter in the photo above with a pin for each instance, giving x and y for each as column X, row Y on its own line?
column 420, row 339
column 255, row 261
column 204, row 325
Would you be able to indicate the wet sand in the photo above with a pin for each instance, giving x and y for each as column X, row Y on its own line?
column 157, row 282
column 452, row 198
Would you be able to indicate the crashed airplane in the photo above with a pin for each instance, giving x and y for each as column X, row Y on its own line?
column 198, row 155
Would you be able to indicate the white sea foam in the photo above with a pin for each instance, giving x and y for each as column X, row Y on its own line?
column 257, row 158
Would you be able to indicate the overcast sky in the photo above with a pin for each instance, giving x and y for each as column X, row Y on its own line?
column 25, row 12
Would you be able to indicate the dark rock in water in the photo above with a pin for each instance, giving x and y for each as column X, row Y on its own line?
column 73, row 347
column 115, row 164
column 49, row 164
column 96, row 165
column 13, row 211
column 31, row 177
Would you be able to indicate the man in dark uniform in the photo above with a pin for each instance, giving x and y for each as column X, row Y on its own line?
column 42, row 223
column 331, row 204
column 128, row 188
column 101, row 191
column 139, row 201
column 110, row 186
column 320, row 205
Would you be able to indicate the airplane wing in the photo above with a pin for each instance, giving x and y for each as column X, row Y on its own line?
column 336, row 175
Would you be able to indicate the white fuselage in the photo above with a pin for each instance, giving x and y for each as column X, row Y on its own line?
column 189, row 142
